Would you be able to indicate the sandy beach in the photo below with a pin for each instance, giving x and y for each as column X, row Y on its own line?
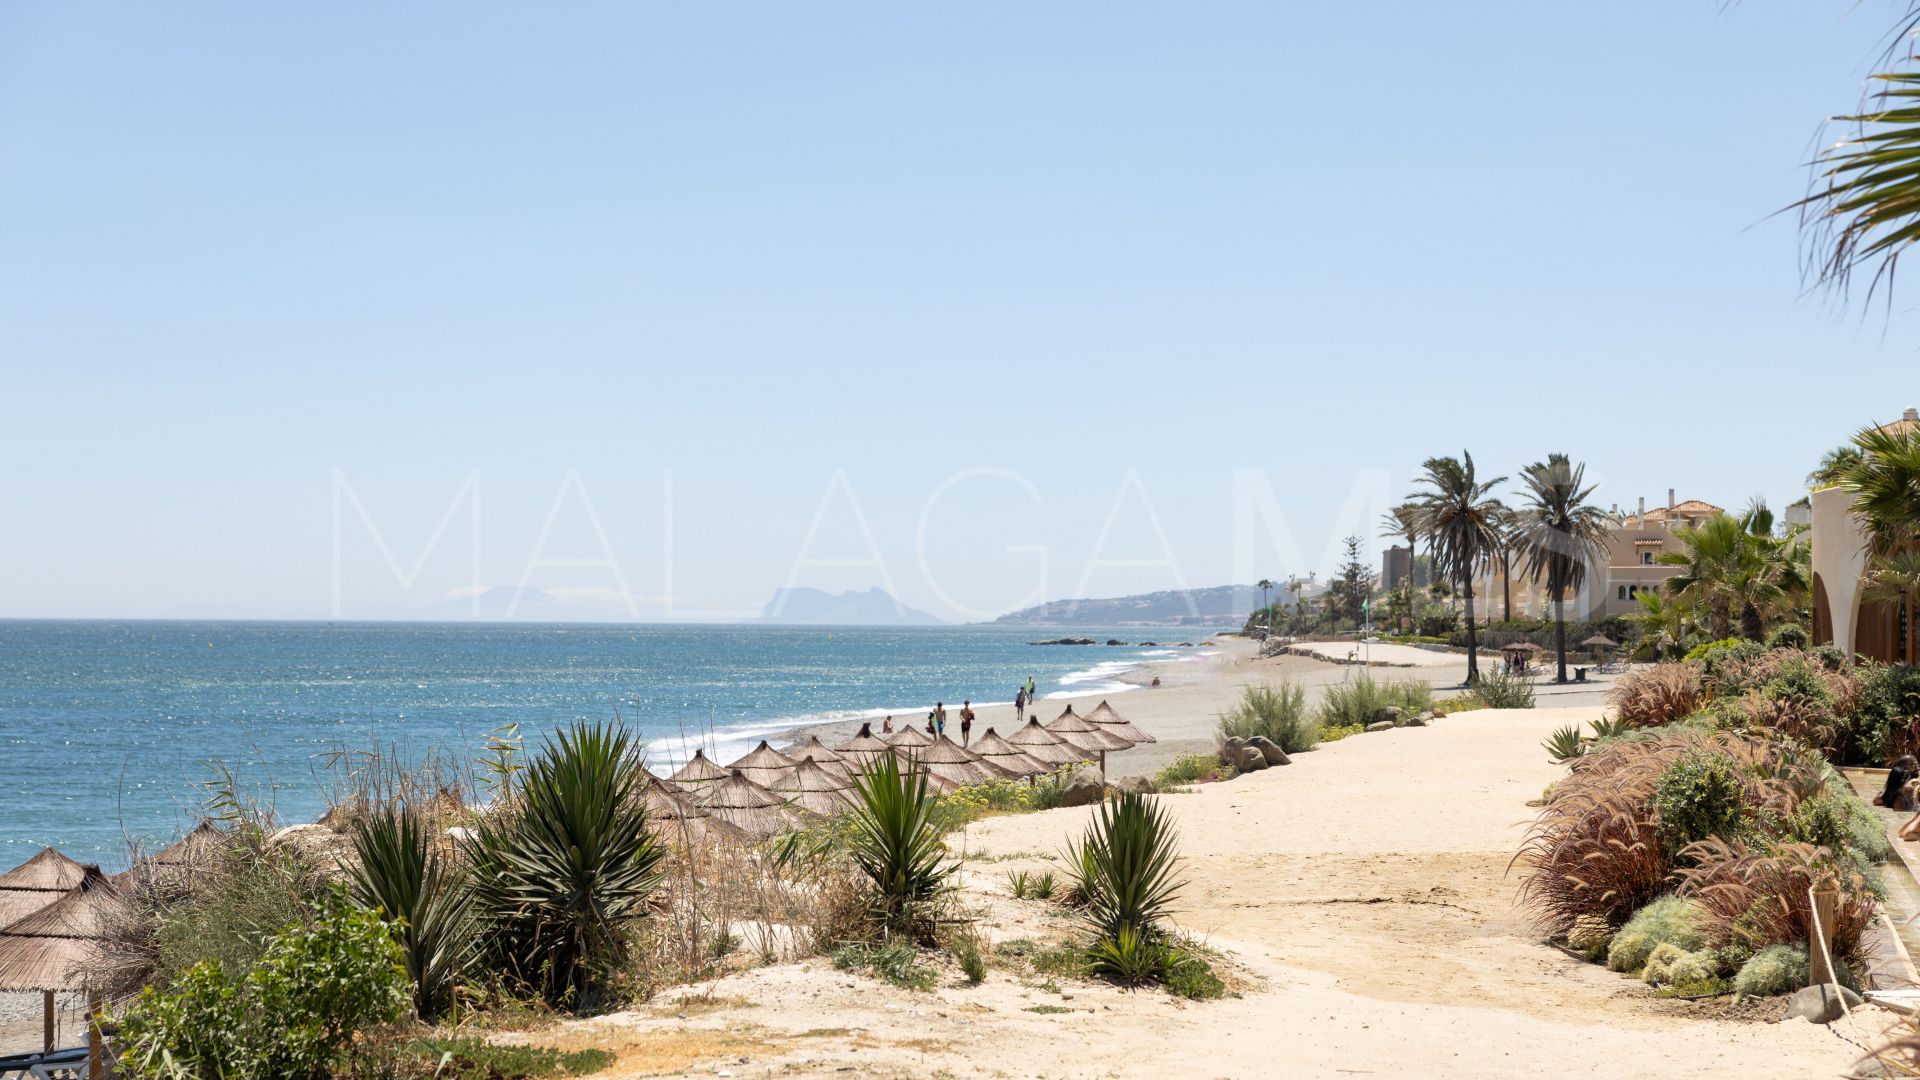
column 1361, row 897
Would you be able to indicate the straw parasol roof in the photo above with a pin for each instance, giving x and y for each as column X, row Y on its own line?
column 1520, row 646
column 679, row 816
column 764, row 765
column 908, row 736
column 1115, row 724
column 909, row 759
column 1601, row 641
column 992, row 748
column 1039, row 743
column 833, row 761
column 1071, row 725
column 863, row 748
column 750, row 808
column 53, row 948
column 179, row 860
column 699, row 773
column 962, row 767
column 34, row 884
column 814, row 789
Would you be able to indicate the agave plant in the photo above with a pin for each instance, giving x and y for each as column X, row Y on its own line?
column 896, row 842
column 566, row 872
column 1564, row 744
column 400, row 874
column 1130, row 883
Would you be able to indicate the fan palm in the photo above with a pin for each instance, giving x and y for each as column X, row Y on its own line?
column 1461, row 521
column 1886, row 495
column 1865, row 206
column 1559, row 534
column 1264, row 585
column 1834, row 466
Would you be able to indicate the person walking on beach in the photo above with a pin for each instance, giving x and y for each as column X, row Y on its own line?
column 1019, row 706
column 929, row 723
column 1029, row 689
column 939, row 719
column 886, row 725
column 966, row 722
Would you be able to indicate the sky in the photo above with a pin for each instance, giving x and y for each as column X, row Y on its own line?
column 648, row 310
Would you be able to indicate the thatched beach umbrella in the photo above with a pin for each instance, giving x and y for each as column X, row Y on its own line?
column 677, row 816
column 863, row 748
column 750, row 808
column 909, row 759
column 908, row 736
column 699, row 773
column 34, row 884
column 1071, row 725
column 178, row 861
column 952, row 762
column 814, row 789
column 992, row 748
column 833, row 761
column 1115, row 724
column 764, row 765
column 1039, row 743
column 56, row 947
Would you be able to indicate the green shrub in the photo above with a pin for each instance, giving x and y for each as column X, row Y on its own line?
column 1189, row 769
column 1499, row 690
column 1355, row 702
column 1776, row 970
column 1710, row 655
column 313, row 992
column 566, row 874
column 466, row 1057
column 1789, row 636
column 1279, row 713
column 1828, row 656
column 1882, row 722
column 1668, row 920
column 250, row 893
column 972, row 964
column 1671, row 965
column 895, row 962
column 1698, row 796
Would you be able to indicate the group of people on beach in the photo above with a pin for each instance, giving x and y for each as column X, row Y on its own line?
column 937, row 719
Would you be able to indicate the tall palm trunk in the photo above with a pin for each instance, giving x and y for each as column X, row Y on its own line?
column 1506, row 585
column 1560, row 635
column 1751, row 626
column 1473, row 641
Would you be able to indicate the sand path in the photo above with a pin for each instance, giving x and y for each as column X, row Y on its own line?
column 1363, row 889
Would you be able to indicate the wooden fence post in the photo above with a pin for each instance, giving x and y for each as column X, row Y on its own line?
column 1819, row 968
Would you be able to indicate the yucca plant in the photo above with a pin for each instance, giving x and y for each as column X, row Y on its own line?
column 400, row 874
column 1131, row 956
column 565, row 873
column 1130, row 883
column 1564, row 744
column 896, row 844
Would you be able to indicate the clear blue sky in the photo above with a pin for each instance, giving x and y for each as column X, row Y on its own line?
column 247, row 245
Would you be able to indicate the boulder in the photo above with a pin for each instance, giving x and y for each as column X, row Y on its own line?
column 1084, row 789
column 1230, row 750
column 1384, row 725
column 1422, row 719
column 1387, row 714
column 1821, row 1004
column 1250, row 760
column 1115, row 641
column 1270, row 751
column 1133, row 785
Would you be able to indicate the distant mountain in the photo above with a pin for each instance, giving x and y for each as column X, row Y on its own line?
column 1220, row 606
column 813, row 607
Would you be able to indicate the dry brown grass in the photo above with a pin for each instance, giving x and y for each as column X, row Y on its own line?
column 1759, row 898
column 1658, row 695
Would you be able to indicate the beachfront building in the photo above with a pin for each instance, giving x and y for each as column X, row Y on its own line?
column 1840, row 617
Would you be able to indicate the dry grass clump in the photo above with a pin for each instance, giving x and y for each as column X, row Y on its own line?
column 1756, row 897
column 1657, row 696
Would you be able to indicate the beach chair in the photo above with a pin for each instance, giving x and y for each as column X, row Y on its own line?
column 17, row 1066
column 61, row 1065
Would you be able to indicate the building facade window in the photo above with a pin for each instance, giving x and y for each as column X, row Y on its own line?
column 1623, row 592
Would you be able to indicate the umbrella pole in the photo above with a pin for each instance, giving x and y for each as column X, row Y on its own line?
column 46, row 1031
column 93, row 1033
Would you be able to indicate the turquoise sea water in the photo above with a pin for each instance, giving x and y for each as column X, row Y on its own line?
column 107, row 729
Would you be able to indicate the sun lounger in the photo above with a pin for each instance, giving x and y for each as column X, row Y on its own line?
column 69, row 1064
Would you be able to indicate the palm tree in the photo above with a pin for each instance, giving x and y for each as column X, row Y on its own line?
column 1404, row 520
column 1865, row 206
column 1559, row 533
column 1263, row 585
column 1886, row 495
column 1736, row 567
column 1834, row 466
column 1665, row 622
column 1460, row 519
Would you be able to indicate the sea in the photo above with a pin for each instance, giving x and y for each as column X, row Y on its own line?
column 111, row 732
